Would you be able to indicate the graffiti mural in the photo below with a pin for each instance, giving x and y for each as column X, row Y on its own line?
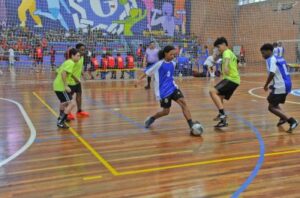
column 127, row 17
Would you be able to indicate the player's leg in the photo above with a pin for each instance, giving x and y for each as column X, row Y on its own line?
column 78, row 92
column 66, row 107
column 185, row 110
column 166, row 104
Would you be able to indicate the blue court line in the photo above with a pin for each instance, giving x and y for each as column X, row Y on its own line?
column 117, row 114
column 261, row 158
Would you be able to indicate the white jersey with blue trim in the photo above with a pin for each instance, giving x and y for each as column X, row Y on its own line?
column 282, row 83
column 276, row 51
column 280, row 51
column 163, row 73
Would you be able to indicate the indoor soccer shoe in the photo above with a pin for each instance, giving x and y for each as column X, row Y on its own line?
column 62, row 125
column 222, row 123
column 148, row 122
column 83, row 114
column 281, row 122
column 71, row 117
column 220, row 117
column 293, row 126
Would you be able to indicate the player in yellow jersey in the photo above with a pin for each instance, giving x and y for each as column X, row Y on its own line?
column 61, row 88
column 231, row 80
column 75, row 82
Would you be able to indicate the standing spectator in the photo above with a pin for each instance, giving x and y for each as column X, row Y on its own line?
column 66, row 55
column 52, row 57
column 280, row 50
column 151, row 57
column 242, row 56
column 130, row 65
column 140, row 55
column 39, row 57
column 120, row 64
column 206, row 51
column 11, row 58
column 44, row 44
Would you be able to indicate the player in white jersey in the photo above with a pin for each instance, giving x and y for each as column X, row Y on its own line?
column 280, row 50
column 211, row 62
column 280, row 87
column 275, row 49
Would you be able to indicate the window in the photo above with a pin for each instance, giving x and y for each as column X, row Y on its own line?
column 245, row 2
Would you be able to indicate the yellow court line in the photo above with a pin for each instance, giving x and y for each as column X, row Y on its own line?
column 92, row 178
column 116, row 173
column 82, row 140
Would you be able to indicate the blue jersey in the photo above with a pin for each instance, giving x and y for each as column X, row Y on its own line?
column 182, row 61
column 282, row 83
column 163, row 73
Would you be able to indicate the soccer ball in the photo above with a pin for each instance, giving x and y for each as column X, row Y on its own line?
column 197, row 129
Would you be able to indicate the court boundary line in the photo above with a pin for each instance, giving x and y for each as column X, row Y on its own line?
column 101, row 159
column 31, row 138
column 169, row 167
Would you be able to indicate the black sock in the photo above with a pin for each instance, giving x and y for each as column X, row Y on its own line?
column 149, row 81
column 152, row 118
column 190, row 122
column 291, row 120
column 61, row 112
column 221, row 111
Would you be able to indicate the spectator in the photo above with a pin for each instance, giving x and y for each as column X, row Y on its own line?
column 52, row 57
column 130, row 65
column 280, row 49
column 150, row 58
column 275, row 50
column 11, row 57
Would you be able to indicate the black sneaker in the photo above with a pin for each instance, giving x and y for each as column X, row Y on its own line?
column 62, row 125
column 148, row 122
column 293, row 126
column 281, row 122
column 147, row 87
column 219, row 117
column 222, row 123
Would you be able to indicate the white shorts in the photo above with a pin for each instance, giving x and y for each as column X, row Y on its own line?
column 11, row 60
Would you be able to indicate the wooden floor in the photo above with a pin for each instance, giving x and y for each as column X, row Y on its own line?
column 110, row 154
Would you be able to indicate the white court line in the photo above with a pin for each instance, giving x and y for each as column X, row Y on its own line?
column 32, row 133
column 258, row 96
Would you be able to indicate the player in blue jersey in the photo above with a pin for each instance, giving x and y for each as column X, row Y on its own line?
column 280, row 87
column 165, row 88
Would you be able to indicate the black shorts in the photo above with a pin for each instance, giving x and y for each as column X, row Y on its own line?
column 276, row 99
column 167, row 102
column 63, row 96
column 226, row 88
column 75, row 88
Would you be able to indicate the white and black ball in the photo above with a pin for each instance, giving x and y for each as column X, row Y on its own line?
column 197, row 129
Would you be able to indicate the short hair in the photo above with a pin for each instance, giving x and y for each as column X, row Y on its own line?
column 220, row 40
column 73, row 52
column 79, row 45
column 267, row 47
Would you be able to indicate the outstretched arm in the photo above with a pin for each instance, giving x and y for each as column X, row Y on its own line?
column 120, row 21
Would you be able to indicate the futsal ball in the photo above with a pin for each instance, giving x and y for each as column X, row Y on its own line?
column 197, row 129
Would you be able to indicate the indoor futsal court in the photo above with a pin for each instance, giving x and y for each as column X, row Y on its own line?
column 119, row 98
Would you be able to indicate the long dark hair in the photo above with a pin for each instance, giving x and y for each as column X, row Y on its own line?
column 167, row 49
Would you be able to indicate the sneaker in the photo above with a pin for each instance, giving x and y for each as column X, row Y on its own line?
column 293, row 126
column 148, row 122
column 62, row 125
column 281, row 122
column 83, row 114
column 222, row 123
column 220, row 117
column 147, row 87
column 71, row 117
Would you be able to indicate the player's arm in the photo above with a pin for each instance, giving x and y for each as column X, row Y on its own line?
column 269, row 80
column 139, row 80
column 226, row 66
column 119, row 22
column 64, row 78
